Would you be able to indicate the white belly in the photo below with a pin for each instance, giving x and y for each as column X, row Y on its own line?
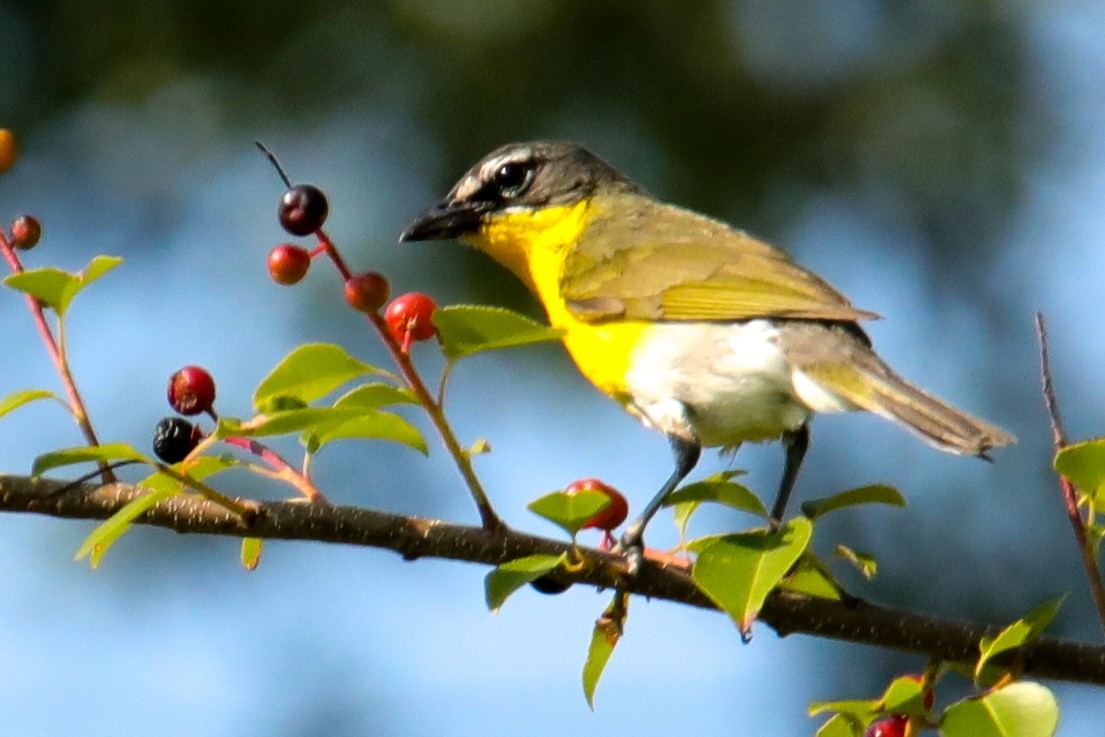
column 717, row 384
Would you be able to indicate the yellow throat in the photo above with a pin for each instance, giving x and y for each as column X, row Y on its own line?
column 533, row 245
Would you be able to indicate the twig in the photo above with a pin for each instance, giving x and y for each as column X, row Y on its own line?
column 463, row 460
column 69, row 384
column 785, row 612
column 1070, row 494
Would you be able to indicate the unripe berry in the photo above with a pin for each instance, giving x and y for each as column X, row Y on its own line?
column 410, row 317
column 303, row 209
column 174, row 438
column 893, row 726
column 367, row 292
column 26, row 230
column 8, row 149
column 191, row 391
column 613, row 514
column 288, row 263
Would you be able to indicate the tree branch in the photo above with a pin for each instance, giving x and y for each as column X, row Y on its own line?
column 412, row 537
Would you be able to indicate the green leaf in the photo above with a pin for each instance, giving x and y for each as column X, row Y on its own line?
column 874, row 494
column 812, row 580
column 1083, row 464
column 375, row 396
column 603, row 639
column 307, row 373
column 840, row 726
column 861, row 712
column 1020, row 632
column 251, row 552
column 737, row 572
column 903, row 696
column 1021, row 709
column 513, row 575
column 17, row 399
column 369, row 424
column 865, row 563
column 85, row 453
column 107, row 532
column 570, row 511
column 608, row 630
column 56, row 288
column 718, row 488
column 468, row 329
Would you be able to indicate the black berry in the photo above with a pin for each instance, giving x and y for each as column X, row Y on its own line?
column 303, row 209
column 174, row 438
column 549, row 585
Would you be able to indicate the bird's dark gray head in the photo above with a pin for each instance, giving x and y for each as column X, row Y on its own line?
column 529, row 175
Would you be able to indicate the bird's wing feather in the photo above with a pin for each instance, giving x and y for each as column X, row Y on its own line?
column 652, row 261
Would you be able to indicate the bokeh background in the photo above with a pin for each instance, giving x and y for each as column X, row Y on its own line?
column 941, row 163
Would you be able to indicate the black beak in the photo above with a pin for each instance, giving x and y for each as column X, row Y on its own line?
column 444, row 220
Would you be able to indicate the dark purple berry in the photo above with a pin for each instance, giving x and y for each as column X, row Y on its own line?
column 174, row 438
column 26, row 230
column 303, row 209
column 549, row 585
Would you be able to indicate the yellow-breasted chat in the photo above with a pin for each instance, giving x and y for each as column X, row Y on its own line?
column 708, row 335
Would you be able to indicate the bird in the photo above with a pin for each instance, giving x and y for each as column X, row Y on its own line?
column 708, row 335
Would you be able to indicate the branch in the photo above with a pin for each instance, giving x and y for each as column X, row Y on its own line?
column 412, row 537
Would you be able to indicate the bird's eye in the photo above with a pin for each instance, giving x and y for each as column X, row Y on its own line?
column 512, row 178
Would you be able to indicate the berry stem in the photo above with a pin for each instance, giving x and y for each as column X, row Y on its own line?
column 282, row 470
column 490, row 519
column 331, row 250
column 57, row 357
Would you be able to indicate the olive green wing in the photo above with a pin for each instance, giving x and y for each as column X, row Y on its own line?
column 640, row 259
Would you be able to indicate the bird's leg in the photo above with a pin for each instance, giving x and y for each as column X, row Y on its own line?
column 795, row 442
column 685, row 453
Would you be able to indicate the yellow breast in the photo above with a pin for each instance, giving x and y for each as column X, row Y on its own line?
column 533, row 245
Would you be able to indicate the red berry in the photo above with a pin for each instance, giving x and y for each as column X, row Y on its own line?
column 613, row 514
column 288, row 263
column 26, row 230
column 7, row 149
column 303, row 209
column 889, row 727
column 174, row 438
column 367, row 292
column 410, row 317
column 191, row 391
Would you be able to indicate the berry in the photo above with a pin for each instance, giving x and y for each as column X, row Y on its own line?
column 191, row 391
column 549, row 585
column 303, row 209
column 889, row 727
column 613, row 514
column 174, row 438
column 7, row 149
column 367, row 292
column 410, row 317
column 288, row 263
column 26, row 230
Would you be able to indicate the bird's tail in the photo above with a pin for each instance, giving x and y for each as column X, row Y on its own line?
column 868, row 383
